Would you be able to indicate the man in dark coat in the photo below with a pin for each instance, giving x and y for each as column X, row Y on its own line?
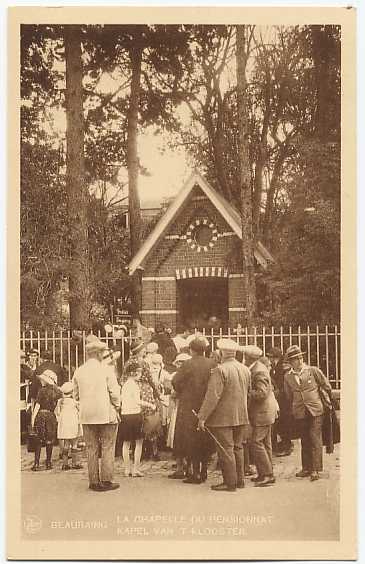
column 25, row 378
column 164, row 341
column 302, row 386
column 190, row 383
column 224, row 412
column 263, row 409
column 35, row 385
column 282, row 425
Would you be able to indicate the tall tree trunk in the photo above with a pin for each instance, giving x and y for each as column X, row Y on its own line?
column 79, row 274
column 133, row 168
column 248, row 279
column 257, row 193
column 270, row 197
column 259, row 169
column 220, row 152
column 321, row 45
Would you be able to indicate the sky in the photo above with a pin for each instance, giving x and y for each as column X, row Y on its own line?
column 168, row 170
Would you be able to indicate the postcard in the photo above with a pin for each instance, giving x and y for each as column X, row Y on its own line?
column 181, row 283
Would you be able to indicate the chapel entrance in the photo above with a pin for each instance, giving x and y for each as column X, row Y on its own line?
column 203, row 302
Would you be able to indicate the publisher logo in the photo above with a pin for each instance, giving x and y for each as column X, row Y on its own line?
column 32, row 524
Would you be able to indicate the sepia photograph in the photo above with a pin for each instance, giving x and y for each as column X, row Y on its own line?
column 181, row 316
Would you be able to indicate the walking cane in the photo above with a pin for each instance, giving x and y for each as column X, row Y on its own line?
column 214, row 438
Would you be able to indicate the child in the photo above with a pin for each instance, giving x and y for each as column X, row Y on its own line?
column 44, row 421
column 131, row 424
column 68, row 426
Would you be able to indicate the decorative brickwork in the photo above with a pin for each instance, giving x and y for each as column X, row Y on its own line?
column 174, row 257
column 197, row 239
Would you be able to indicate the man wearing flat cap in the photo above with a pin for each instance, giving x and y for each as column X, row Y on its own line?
column 224, row 412
column 263, row 409
column 302, row 384
column 97, row 390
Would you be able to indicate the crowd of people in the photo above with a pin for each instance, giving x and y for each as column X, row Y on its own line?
column 176, row 393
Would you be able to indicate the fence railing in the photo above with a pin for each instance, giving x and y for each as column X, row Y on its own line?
column 322, row 345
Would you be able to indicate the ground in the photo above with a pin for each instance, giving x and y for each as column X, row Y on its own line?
column 58, row 505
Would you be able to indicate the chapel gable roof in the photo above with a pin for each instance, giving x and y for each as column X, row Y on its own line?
column 227, row 211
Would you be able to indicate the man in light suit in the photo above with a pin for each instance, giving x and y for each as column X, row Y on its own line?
column 263, row 410
column 97, row 390
column 224, row 412
column 301, row 385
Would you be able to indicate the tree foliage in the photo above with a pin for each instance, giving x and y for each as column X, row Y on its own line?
column 188, row 89
column 294, row 139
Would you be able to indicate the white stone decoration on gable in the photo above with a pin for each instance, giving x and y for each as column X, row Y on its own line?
column 225, row 209
column 201, row 235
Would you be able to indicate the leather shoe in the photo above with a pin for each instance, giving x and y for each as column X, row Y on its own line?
column 192, row 480
column 267, row 481
column 97, row 487
column 258, row 479
column 110, row 486
column 249, row 472
column 177, row 476
column 203, row 476
column 314, row 476
column 303, row 474
column 222, row 488
column 283, row 453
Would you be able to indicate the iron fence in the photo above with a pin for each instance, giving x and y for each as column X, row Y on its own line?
column 322, row 345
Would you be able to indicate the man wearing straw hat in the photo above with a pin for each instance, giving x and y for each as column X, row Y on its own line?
column 97, row 390
column 224, row 412
column 302, row 384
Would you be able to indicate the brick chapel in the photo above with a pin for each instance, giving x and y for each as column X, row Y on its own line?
column 190, row 262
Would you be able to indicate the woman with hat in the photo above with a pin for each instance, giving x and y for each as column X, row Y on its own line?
column 44, row 420
column 173, row 407
column 149, row 394
column 67, row 414
column 151, row 412
column 138, row 352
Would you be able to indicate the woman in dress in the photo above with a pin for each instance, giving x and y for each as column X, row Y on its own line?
column 131, row 423
column 179, row 473
column 44, row 419
column 149, row 393
column 152, row 413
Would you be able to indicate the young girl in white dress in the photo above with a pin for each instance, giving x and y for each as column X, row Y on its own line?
column 67, row 414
